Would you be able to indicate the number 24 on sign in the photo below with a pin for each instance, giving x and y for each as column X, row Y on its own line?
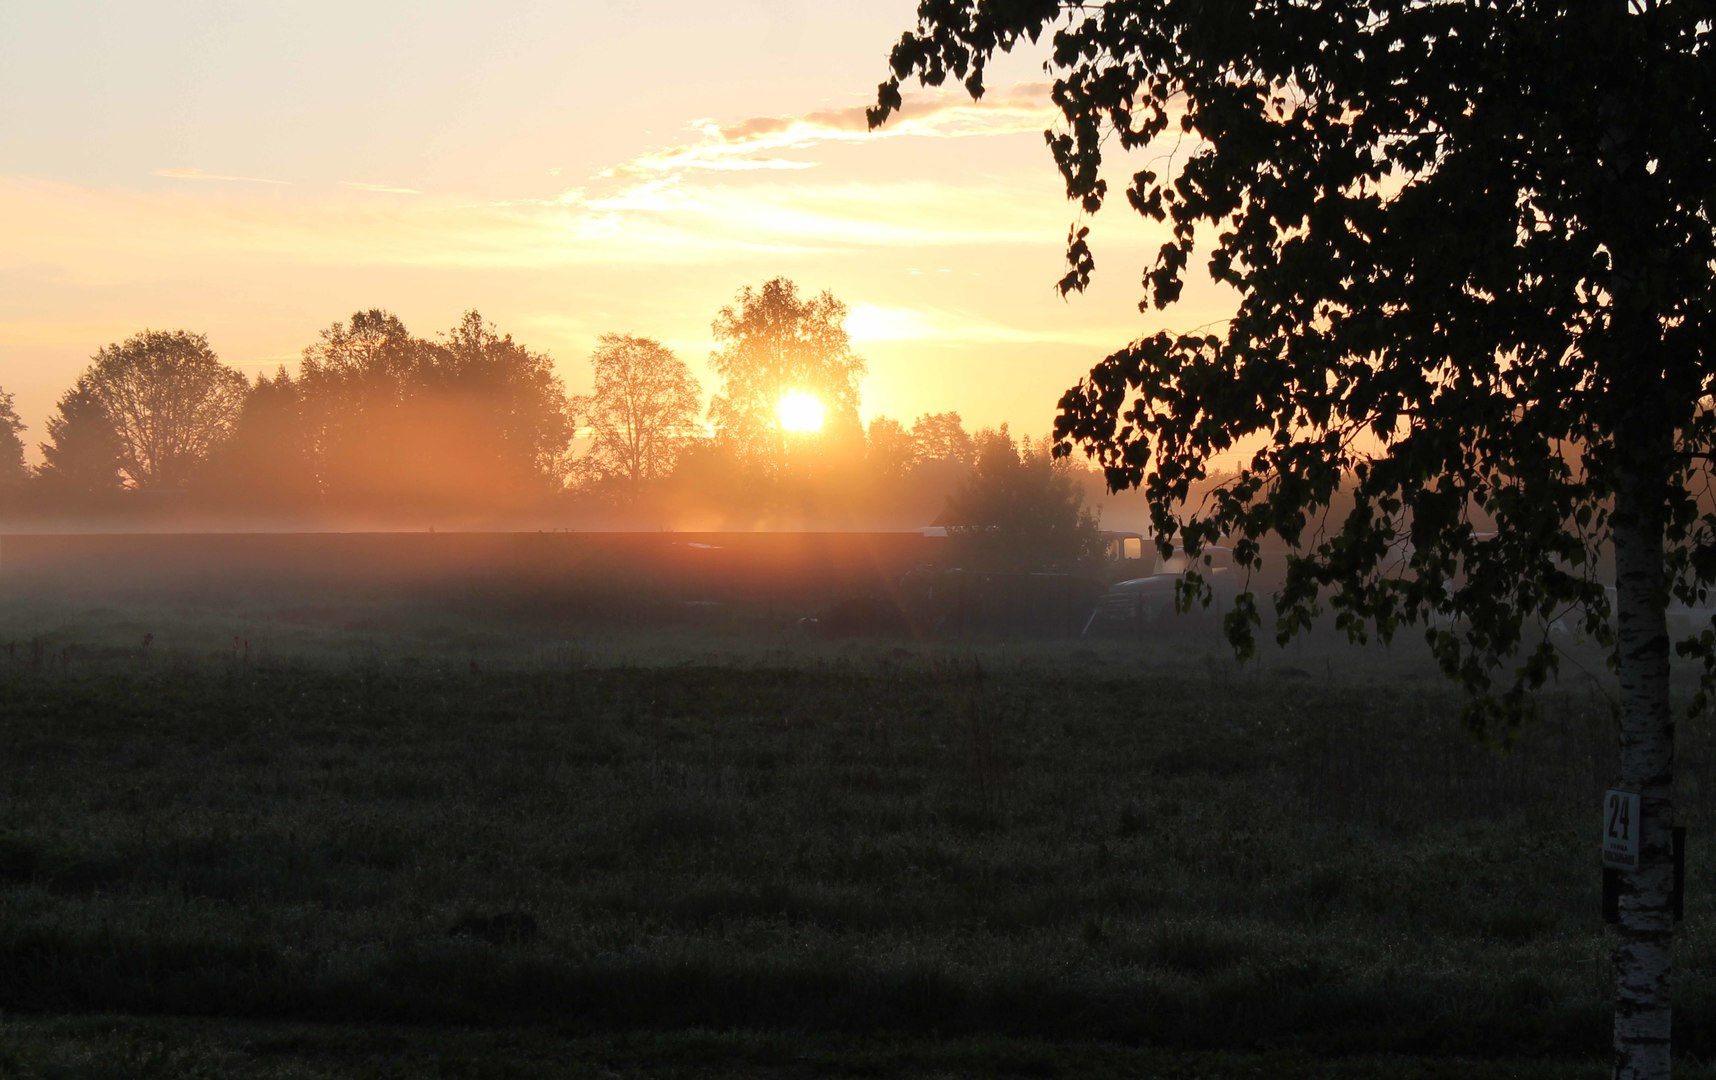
column 1621, row 829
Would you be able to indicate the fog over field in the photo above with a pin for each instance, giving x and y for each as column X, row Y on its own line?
column 491, row 783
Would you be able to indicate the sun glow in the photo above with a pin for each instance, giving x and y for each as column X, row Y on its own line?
column 801, row 412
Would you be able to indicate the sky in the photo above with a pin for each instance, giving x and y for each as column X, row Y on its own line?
column 258, row 171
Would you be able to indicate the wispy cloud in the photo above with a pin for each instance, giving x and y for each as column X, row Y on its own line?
column 390, row 189
column 756, row 144
column 199, row 174
column 727, row 186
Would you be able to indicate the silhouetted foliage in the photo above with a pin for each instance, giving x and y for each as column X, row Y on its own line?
column 268, row 463
column 643, row 410
column 1473, row 245
column 510, row 404
column 906, row 476
column 889, row 452
column 355, row 382
column 80, row 460
column 170, row 402
column 474, row 421
column 711, row 489
column 13, row 471
column 822, row 480
column 1019, row 509
column 942, row 437
column 772, row 342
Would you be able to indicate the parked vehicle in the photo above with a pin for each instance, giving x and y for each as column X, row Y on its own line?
column 1136, row 605
column 944, row 600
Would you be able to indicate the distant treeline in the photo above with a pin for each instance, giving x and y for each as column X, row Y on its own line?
column 471, row 428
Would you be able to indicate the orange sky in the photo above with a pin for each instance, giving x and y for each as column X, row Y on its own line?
column 257, row 171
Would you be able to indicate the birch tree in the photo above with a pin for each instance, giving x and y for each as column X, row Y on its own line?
column 772, row 343
column 1473, row 252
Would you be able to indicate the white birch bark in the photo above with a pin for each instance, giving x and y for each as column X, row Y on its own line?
column 1643, row 953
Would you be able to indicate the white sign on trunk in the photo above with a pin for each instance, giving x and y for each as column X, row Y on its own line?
column 1621, row 829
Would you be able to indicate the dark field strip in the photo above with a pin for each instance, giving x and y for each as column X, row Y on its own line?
column 101, row 1047
column 1050, row 850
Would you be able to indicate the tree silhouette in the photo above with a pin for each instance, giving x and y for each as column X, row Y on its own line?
column 268, row 462
column 942, row 437
column 889, row 452
column 513, row 406
column 473, row 421
column 644, row 408
column 773, row 342
column 13, row 471
column 354, row 382
column 1473, row 245
column 80, row 460
column 170, row 402
column 1019, row 509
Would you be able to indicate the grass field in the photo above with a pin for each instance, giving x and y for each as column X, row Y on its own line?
column 367, row 838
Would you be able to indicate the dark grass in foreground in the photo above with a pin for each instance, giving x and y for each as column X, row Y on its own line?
column 101, row 1047
column 1047, row 849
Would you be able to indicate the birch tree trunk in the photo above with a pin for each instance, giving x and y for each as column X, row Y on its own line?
column 1643, row 953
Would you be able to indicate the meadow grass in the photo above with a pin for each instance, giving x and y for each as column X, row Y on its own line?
column 272, row 817
column 143, row 1048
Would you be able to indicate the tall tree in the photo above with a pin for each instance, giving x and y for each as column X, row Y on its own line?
column 772, row 343
column 170, row 401
column 81, row 458
column 644, row 408
column 1473, row 247
column 13, row 470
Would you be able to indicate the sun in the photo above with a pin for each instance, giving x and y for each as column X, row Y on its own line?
column 801, row 412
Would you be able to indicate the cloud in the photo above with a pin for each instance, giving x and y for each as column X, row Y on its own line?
column 357, row 185
column 199, row 174
column 727, row 187
column 756, row 143
column 677, row 217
